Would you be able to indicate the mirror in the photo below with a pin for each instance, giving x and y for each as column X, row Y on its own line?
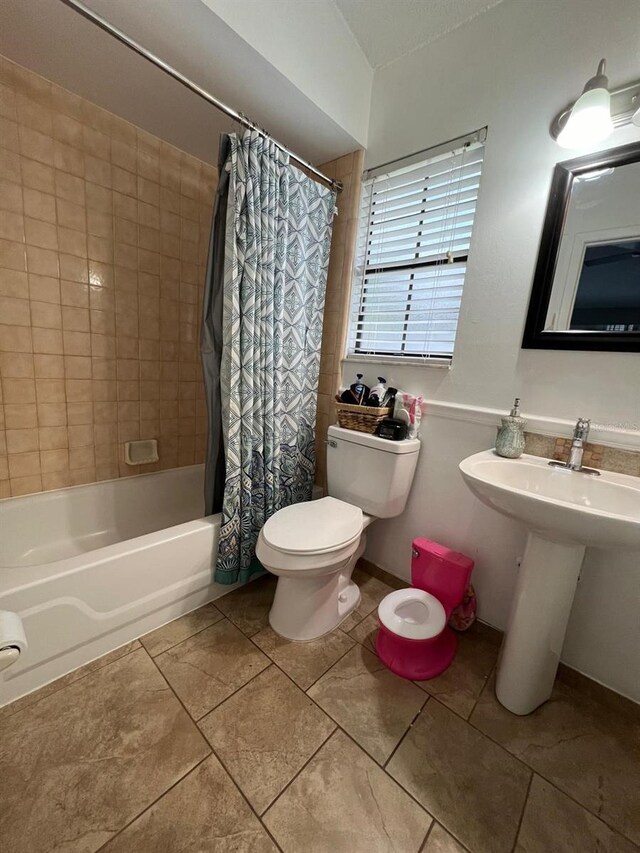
column 586, row 289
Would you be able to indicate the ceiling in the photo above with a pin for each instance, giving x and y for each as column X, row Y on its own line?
column 389, row 29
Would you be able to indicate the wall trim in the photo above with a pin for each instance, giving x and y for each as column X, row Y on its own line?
column 625, row 436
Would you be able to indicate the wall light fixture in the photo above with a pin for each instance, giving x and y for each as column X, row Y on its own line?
column 597, row 112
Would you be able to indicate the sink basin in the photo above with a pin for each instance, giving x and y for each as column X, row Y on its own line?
column 564, row 505
column 565, row 512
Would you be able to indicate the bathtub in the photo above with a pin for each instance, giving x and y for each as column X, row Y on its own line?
column 90, row 568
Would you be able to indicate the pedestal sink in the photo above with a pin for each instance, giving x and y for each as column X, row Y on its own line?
column 565, row 512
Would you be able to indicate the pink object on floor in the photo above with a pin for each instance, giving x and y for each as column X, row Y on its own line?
column 464, row 615
column 413, row 640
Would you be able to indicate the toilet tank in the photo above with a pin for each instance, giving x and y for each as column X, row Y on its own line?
column 370, row 472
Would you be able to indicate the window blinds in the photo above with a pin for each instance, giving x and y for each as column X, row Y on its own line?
column 413, row 240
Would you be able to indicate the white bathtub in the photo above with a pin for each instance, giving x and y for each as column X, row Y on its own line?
column 90, row 568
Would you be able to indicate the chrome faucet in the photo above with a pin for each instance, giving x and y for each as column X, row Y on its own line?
column 574, row 462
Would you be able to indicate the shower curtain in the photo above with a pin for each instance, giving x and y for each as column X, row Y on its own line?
column 262, row 330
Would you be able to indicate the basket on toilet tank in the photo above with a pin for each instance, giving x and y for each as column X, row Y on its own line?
column 413, row 640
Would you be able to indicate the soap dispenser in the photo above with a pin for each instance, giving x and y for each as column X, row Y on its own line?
column 510, row 441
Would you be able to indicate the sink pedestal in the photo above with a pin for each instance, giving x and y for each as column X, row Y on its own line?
column 537, row 623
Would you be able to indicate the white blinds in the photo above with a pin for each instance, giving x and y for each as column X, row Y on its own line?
column 413, row 240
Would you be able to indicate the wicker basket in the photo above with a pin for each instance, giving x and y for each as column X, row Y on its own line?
column 360, row 418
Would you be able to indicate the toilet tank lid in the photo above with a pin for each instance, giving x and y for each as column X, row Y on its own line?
column 313, row 527
column 443, row 553
column 407, row 445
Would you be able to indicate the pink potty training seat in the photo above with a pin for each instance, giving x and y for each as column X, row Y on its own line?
column 414, row 641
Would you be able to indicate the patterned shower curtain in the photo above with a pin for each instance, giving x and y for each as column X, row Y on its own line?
column 277, row 234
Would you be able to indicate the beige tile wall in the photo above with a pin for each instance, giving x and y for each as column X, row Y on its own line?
column 103, row 241
column 347, row 169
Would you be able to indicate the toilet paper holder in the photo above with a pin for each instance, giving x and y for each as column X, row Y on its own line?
column 13, row 640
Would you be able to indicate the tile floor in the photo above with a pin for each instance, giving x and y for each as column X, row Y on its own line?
column 214, row 734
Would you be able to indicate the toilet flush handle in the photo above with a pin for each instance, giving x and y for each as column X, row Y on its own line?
column 331, row 442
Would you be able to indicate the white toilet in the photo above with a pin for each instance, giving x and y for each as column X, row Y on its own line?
column 312, row 547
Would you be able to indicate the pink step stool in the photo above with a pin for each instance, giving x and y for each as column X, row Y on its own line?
column 413, row 640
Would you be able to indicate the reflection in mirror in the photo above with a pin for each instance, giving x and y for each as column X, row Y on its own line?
column 608, row 294
column 596, row 285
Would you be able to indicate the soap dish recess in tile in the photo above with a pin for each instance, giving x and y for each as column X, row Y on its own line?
column 141, row 452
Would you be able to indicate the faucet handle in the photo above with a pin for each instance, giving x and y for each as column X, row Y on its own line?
column 582, row 428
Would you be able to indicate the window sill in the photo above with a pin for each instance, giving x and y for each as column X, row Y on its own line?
column 396, row 360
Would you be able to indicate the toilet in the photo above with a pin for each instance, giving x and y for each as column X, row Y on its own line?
column 312, row 547
column 413, row 639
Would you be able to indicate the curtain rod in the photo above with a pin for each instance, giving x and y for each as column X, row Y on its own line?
column 122, row 37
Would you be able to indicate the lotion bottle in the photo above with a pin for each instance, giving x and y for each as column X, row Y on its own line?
column 510, row 441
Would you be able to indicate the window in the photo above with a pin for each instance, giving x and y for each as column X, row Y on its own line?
column 416, row 220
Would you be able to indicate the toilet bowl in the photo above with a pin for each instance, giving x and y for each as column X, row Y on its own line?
column 413, row 614
column 414, row 641
column 313, row 547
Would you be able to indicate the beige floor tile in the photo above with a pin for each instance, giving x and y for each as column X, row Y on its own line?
column 175, row 632
column 265, row 733
column 368, row 701
column 204, row 812
column 554, row 822
column 469, row 784
column 584, row 748
column 343, row 802
column 439, row 841
column 461, row 684
column 366, row 632
column 303, row 662
column 371, row 569
column 207, row 668
column 80, row 764
column 598, row 693
column 69, row 678
column 372, row 591
column 248, row 607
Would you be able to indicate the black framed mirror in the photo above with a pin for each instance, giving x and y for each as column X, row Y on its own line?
column 586, row 287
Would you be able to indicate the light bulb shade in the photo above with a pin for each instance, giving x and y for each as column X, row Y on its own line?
column 589, row 120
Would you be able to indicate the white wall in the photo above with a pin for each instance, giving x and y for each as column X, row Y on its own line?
column 310, row 44
column 513, row 69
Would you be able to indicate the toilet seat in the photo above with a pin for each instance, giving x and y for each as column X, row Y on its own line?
column 307, row 565
column 315, row 527
column 413, row 614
